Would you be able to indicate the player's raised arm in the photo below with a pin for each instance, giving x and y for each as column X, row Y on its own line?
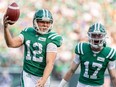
column 10, row 17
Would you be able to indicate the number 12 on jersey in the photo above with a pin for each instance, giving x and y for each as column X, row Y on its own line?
column 35, row 52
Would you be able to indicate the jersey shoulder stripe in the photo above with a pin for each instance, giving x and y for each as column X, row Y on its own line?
column 28, row 29
column 25, row 29
column 53, row 36
column 111, row 53
column 82, row 48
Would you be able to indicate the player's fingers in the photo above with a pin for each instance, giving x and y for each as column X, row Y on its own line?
column 5, row 18
column 6, row 22
column 39, row 85
column 9, row 21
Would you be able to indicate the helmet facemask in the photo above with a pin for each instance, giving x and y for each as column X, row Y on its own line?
column 45, row 29
column 97, row 39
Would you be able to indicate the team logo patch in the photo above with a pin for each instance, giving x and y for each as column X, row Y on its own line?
column 100, row 59
column 42, row 39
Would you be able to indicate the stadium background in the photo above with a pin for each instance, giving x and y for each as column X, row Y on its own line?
column 72, row 19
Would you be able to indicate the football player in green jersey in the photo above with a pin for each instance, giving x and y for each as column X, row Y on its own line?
column 94, row 58
column 40, row 49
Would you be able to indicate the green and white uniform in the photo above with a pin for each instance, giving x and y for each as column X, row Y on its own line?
column 35, row 49
column 93, row 65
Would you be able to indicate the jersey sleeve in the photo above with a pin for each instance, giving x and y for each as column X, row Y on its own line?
column 51, row 47
column 111, row 55
column 24, row 33
column 28, row 29
column 79, row 49
column 55, row 39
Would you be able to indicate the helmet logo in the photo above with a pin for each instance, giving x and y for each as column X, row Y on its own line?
column 45, row 19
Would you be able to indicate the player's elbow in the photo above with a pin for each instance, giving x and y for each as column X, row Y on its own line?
column 10, row 45
column 72, row 71
column 113, row 78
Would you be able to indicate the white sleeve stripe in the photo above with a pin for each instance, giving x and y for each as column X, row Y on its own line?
column 26, row 29
column 51, row 35
column 113, row 54
column 22, row 37
column 55, row 36
column 78, row 48
column 109, row 53
column 82, row 48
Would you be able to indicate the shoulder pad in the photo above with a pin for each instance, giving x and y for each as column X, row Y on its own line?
column 80, row 48
column 110, row 52
column 28, row 29
column 55, row 38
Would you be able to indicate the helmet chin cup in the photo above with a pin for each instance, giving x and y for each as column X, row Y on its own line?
column 97, row 46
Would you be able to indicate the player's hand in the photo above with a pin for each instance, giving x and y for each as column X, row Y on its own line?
column 40, row 83
column 5, row 22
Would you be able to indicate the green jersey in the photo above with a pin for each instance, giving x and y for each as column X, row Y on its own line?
column 35, row 49
column 93, row 66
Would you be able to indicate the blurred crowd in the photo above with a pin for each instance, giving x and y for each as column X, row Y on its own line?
column 72, row 19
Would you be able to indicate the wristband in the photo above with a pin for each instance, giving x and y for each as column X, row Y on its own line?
column 62, row 83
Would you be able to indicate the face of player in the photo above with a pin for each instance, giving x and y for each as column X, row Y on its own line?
column 97, row 41
column 97, row 38
column 43, row 25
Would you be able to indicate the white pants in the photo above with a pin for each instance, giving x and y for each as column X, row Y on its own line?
column 84, row 85
column 30, row 80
